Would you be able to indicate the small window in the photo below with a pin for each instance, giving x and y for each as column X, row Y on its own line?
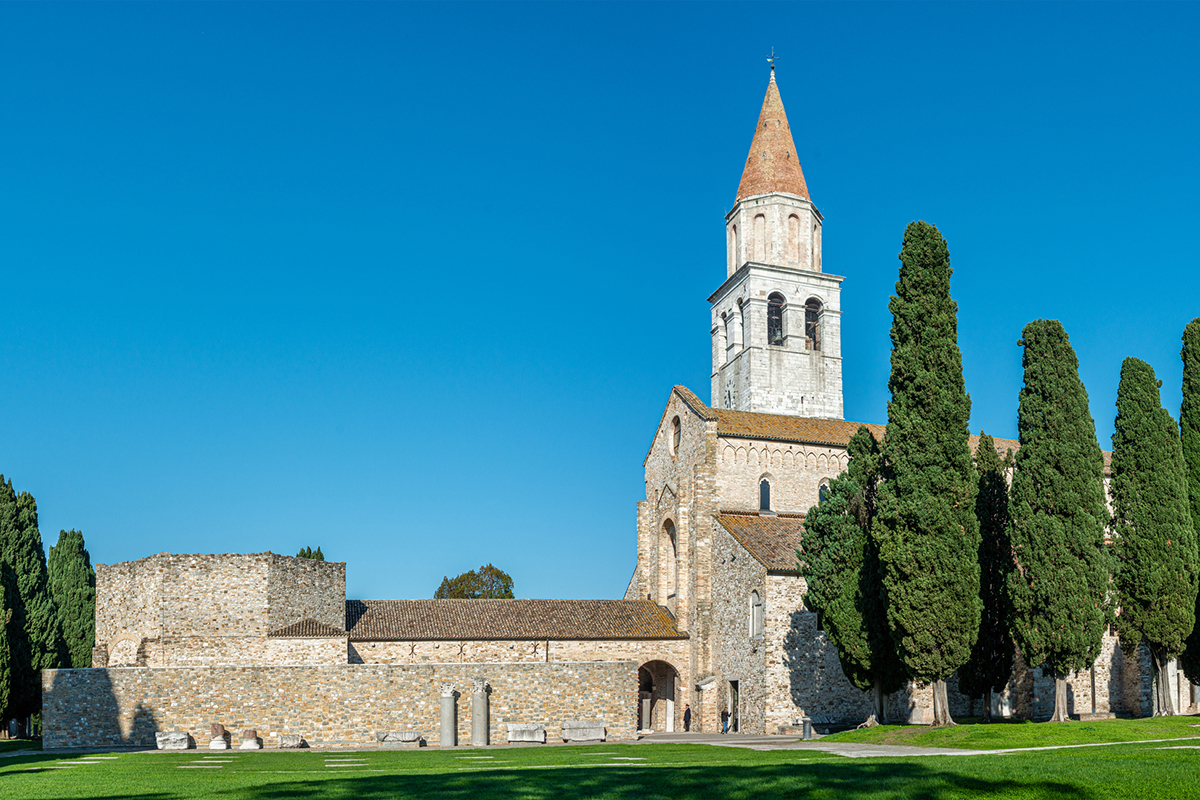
column 775, row 319
column 764, row 495
column 823, row 492
column 676, row 436
column 812, row 324
column 756, row 614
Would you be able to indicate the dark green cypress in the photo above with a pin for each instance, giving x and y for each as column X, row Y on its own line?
column 35, row 637
column 1189, row 434
column 73, row 586
column 841, row 567
column 1058, row 516
column 991, row 661
column 925, row 528
column 6, row 616
column 1154, row 543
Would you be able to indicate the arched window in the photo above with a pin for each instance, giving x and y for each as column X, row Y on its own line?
column 793, row 240
column 676, row 435
column 775, row 319
column 756, row 614
column 823, row 492
column 812, row 324
column 760, row 238
column 671, row 578
column 764, row 495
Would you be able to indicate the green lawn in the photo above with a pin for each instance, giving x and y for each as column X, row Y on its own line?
column 670, row 771
column 1020, row 733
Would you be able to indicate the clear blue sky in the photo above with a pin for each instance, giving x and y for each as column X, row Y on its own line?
column 413, row 282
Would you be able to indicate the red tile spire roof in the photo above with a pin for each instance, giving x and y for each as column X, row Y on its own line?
column 772, row 165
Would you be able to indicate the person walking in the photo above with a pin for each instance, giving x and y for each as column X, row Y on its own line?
column 687, row 717
column 724, row 720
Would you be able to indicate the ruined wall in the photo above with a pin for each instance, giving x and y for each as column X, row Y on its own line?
column 300, row 588
column 342, row 705
column 172, row 610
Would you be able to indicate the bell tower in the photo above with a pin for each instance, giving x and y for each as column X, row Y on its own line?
column 776, row 320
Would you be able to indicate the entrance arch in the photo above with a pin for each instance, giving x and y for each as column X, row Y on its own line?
column 658, row 688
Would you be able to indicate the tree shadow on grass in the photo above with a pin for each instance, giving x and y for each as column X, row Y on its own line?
column 844, row 779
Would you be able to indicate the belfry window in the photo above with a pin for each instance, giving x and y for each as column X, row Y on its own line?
column 775, row 319
column 812, row 324
column 764, row 495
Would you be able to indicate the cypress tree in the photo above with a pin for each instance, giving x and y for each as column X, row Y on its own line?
column 925, row 527
column 841, row 567
column 73, row 586
column 35, row 637
column 1189, row 434
column 1154, row 543
column 5, row 652
column 991, row 661
column 1057, row 515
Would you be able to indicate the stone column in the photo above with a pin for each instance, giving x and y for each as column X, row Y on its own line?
column 449, row 716
column 479, row 712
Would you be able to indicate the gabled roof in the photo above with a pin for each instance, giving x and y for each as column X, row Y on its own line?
column 772, row 539
column 307, row 628
column 484, row 620
column 772, row 165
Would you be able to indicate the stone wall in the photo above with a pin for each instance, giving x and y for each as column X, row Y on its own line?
column 170, row 610
column 674, row 651
column 739, row 656
column 342, row 705
column 796, row 472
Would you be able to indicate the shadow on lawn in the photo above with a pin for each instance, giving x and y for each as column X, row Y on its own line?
column 845, row 779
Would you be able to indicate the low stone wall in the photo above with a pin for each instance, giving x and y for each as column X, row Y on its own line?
column 333, row 705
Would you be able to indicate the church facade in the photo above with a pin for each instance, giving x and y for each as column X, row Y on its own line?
column 713, row 616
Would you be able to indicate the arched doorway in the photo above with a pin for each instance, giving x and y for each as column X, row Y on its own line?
column 658, row 685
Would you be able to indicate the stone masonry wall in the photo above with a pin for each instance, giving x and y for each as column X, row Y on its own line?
column 168, row 610
column 739, row 656
column 328, row 705
column 300, row 588
column 796, row 472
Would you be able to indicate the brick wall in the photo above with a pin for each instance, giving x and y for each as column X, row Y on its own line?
column 328, row 705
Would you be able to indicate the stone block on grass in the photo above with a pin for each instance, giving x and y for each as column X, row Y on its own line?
column 582, row 731
column 290, row 741
column 171, row 740
column 527, row 732
column 399, row 739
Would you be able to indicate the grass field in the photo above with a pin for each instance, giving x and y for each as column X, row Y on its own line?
column 619, row 772
column 1021, row 733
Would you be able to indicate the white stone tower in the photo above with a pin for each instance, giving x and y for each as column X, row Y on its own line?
column 776, row 320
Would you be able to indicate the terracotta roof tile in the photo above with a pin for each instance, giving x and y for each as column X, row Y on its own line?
column 808, row 430
column 307, row 628
column 772, row 540
column 772, row 165
column 482, row 620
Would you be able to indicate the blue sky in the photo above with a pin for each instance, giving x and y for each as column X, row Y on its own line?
column 413, row 282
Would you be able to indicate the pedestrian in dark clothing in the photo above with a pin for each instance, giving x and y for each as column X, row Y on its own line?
column 724, row 720
column 687, row 717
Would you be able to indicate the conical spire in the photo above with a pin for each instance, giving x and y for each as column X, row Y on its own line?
column 772, row 165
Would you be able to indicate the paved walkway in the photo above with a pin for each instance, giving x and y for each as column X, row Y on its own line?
column 856, row 750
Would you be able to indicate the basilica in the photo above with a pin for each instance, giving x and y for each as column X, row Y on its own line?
column 713, row 618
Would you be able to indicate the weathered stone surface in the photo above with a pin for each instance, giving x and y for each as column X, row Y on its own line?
column 290, row 741
column 250, row 744
column 217, row 730
column 582, row 731
column 527, row 732
column 218, row 744
column 171, row 740
column 398, row 737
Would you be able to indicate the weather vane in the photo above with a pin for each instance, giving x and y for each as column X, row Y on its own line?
column 771, row 60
